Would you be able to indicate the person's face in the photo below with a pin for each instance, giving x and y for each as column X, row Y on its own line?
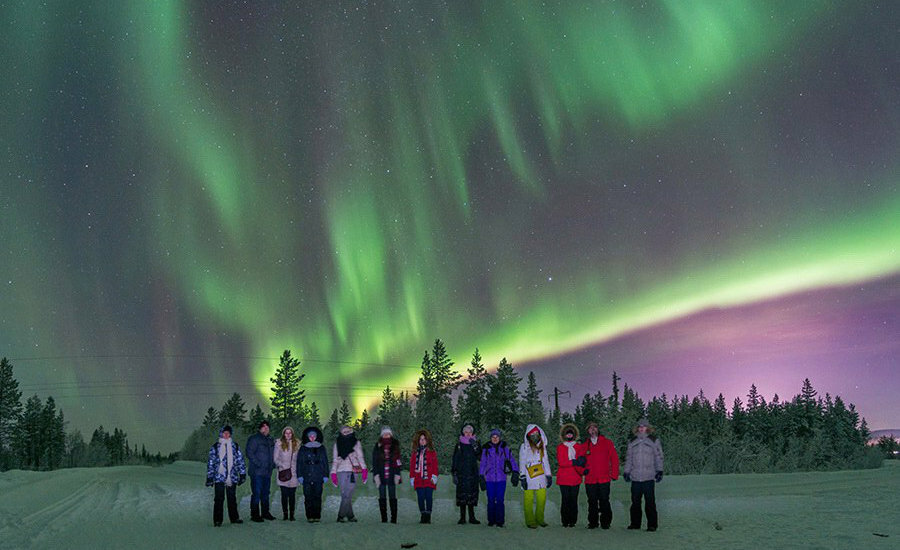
column 346, row 431
column 264, row 429
column 289, row 435
column 534, row 437
column 495, row 439
column 422, row 440
column 570, row 436
column 226, row 435
column 593, row 431
column 311, row 436
column 642, row 429
column 468, row 432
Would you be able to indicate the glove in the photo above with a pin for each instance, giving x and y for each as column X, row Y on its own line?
column 514, row 479
column 585, row 472
column 455, row 479
column 412, row 483
column 210, row 482
column 549, row 481
column 434, row 478
column 377, row 482
column 524, row 481
column 580, row 461
column 300, row 480
column 398, row 479
column 324, row 480
column 334, row 479
column 365, row 475
column 659, row 476
column 482, row 483
column 242, row 479
column 627, row 478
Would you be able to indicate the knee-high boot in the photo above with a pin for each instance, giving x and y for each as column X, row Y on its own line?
column 382, row 506
column 393, row 503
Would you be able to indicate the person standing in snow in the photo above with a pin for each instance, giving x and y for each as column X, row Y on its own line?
column 386, row 465
column 423, row 472
column 260, row 463
column 347, row 463
column 644, row 469
column 571, row 460
column 465, row 473
column 497, row 461
column 602, row 467
column 535, row 475
column 225, row 470
column 312, row 471
column 286, row 462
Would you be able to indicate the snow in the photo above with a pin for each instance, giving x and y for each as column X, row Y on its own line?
column 169, row 507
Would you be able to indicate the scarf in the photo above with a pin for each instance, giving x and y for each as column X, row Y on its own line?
column 422, row 462
column 466, row 440
column 226, row 459
column 386, row 448
column 312, row 444
column 345, row 444
column 571, row 446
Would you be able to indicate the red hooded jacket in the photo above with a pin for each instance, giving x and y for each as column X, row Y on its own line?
column 602, row 460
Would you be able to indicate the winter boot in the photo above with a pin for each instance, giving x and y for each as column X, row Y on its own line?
column 292, row 505
column 462, row 515
column 472, row 519
column 382, row 506
column 265, row 511
column 422, row 517
column 393, row 503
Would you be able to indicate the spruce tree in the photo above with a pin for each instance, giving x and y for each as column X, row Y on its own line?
column 532, row 407
column 333, row 425
column 314, row 419
column 234, row 412
column 473, row 399
column 10, row 409
column 256, row 417
column 28, row 441
column 503, row 400
column 344, row 414
column 211, row 420
column 287, row 397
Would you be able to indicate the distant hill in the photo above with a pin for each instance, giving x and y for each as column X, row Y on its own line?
column 895, row 432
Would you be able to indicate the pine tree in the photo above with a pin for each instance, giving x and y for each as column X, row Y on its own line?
column 434, row 408
column 234, row 412
column 287, row 397
column 256, row 418
column 344, row 414
column 532, row 407
column 472, row 401
column 333, row 426
column 211, row 420
column 28, row 441
column 10, row 409
column 314, row 419
column 503, row 400
column 53, row 439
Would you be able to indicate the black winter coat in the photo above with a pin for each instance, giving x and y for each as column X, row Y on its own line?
column 396, row 464
column 465, row 469
column 259, row 454
column 312, row 464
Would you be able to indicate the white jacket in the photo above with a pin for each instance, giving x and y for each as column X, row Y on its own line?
column 530, row 457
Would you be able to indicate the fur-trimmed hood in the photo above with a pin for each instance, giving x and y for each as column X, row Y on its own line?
column 568, row 427
column 304, row 438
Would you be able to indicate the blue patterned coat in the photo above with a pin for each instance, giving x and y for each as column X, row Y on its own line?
column 212, row 465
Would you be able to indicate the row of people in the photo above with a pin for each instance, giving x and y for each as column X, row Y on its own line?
column 475, row 467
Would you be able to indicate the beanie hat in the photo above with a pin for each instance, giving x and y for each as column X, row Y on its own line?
column 386, row 430
column 496, row 432
column 226, row 428
column 643, row 422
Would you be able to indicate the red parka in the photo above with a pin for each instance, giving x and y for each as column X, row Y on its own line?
column 568, row 473
column 602, row 460
column 420, row 480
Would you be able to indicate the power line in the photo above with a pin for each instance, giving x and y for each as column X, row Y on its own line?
column 210, row 357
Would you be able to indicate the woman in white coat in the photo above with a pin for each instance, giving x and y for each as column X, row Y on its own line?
column 536, row 476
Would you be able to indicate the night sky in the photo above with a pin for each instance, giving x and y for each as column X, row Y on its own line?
column 694, row 195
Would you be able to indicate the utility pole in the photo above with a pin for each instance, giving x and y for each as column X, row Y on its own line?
column 556, row 394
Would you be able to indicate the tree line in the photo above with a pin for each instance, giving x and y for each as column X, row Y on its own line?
column 33, row 435
column 807, row 432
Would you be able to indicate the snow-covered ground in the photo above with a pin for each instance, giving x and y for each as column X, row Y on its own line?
column 169, row 507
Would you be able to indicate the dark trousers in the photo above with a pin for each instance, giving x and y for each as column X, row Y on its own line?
column 385, row 491
column 288, row 500
column 259, row 494
column 424, row 495
column 598, row 504
column 312, row 500
column 647, row 490
column 223, row 493
column 568, row 507
column 496, row 509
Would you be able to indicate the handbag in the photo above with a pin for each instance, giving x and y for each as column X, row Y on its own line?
column 536, row 470
column 284, row 475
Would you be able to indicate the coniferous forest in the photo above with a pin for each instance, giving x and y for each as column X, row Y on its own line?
column 806, row 432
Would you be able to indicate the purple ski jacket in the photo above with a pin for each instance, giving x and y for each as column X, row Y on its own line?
column 493, row 458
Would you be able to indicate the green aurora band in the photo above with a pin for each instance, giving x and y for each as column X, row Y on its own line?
column 372, row 257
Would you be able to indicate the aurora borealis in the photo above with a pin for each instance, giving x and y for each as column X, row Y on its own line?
column 189, row 188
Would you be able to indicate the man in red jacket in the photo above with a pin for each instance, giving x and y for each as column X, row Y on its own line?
column 601, row 468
